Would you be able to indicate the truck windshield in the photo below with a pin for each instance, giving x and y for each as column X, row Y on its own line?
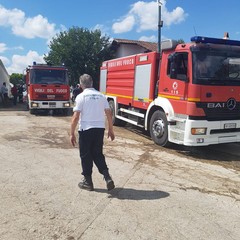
column 48, row 76
column 213, row 67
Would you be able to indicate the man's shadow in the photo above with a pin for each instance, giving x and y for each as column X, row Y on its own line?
column 133, row 194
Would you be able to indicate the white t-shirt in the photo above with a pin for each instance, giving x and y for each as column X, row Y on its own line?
column 91, row 105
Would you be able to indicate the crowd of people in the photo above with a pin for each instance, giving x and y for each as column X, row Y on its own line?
column 16, row 92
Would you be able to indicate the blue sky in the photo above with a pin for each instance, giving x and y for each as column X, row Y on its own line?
column 27, row 26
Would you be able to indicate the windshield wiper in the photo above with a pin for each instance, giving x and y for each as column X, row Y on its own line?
column 218, row 82
column 213, row 81
column 58, row 83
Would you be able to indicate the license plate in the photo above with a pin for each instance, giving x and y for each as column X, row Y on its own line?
column 229, row 125
column 52, row 104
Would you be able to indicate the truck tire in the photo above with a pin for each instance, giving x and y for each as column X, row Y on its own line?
column 159, row 128
column 65, row 112
column 115, row 121
column 32, row 111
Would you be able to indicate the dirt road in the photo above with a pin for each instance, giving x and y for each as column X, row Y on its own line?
column 177, row 193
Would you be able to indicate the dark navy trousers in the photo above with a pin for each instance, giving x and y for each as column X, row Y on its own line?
column 91, row 150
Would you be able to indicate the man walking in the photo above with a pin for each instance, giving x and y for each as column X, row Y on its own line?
column 89, row 111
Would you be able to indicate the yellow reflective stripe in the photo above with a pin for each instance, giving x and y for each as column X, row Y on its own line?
column 179, row 98
column 194, row 99
column 128, row 97
column 150, row 100
column 117, row 95
column 169, row 96
column 142, row 99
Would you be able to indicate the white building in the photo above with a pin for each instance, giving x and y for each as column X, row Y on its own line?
column 4, row 77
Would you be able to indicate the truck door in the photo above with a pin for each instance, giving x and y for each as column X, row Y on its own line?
column 175, row 76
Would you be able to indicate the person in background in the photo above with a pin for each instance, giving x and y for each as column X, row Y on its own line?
column 4, row 94
column 89, row 112
column 76, row 91
column 20, row 93
column 14, row 92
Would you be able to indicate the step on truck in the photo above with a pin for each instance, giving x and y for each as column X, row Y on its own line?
column 187, row 94
column 47, row 88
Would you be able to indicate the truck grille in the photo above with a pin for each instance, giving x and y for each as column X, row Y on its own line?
column 50, row 97
column 218, row 131
column 219, row 111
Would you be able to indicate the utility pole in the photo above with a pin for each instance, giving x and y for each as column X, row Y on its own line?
column 160, row 24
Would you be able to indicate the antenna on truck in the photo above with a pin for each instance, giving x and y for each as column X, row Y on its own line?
column 194, row 30
column 160, row 24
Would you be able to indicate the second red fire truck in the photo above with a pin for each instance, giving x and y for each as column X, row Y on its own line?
column 47, row 88
column 188, row 94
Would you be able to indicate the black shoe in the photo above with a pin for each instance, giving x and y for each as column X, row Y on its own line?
column 86, row 184
column 109, row 181
column 110, row 184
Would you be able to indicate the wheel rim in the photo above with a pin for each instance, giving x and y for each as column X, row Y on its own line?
column 158, row 128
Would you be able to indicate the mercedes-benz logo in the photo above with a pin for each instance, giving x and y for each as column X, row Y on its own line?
column 231, row 103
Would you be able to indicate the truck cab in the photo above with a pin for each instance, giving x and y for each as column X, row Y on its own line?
column 48, row 88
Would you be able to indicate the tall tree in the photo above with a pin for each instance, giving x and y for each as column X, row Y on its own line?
column 81, row 50
column 17, row 78
column 180, row 41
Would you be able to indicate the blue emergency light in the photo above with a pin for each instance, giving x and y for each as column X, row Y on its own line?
column 199, row 39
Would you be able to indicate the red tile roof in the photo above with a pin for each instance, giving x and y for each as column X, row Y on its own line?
column 151, row 46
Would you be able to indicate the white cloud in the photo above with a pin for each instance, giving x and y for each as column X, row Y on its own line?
column 20, row 62
column 11, row 17
column 37, row 26
column 18, row 48
column 28, row 27
column 4, row 60
column 3, row 47
column 100, row 27
column 176, row 16
column 144, row 16
column 124, row 25
column 104, row 30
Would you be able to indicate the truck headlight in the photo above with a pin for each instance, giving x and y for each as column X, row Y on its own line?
column 198, row 131
column 33, row 104
column 66, row 104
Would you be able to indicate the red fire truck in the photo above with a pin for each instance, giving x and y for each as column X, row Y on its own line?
column 47, row 88
column 189, row 94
